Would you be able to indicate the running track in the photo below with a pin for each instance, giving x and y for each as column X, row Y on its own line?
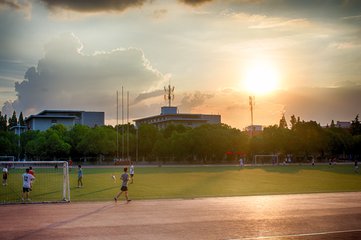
column 300, row 216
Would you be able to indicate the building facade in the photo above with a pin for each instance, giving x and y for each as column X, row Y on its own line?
column 47, row 118
column 170, row 115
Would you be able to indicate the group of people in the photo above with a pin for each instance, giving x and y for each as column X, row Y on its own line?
column 29, row 177
column 125, row 177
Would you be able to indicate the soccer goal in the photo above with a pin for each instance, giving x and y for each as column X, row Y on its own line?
column 8, row 159
column 51, row 183
column 266, row 159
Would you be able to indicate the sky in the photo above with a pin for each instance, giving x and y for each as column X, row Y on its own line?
column 299, row 58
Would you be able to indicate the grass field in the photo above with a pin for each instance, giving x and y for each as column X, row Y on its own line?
column 192, row 182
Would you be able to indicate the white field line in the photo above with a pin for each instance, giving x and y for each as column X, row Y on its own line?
column 302, row 234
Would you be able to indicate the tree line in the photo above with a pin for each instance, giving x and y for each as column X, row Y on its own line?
column 209, row 143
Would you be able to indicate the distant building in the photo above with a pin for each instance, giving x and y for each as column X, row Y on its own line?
column 254, row 130
column 341, row 124
column 18, row 129
column 170, row 115
column 47, row 118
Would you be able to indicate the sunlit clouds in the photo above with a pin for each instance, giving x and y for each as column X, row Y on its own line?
column 297, row 57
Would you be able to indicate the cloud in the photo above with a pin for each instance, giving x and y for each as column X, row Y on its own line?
column 159, row 13
column 93, row 5
column 194, row 2
column 318, row 104
column 144, row 96
column 257, row 21
column 23, row 6
column 193, row 100
column 66, row 78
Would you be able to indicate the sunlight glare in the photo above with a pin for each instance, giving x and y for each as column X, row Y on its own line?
column 261, row 77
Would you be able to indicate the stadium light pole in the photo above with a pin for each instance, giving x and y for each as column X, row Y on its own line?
column 251, row 105
column 117, row 128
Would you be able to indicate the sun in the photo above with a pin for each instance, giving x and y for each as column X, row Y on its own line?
column 261, row 77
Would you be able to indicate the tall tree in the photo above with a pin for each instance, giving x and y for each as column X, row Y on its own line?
column 3, row 122
column 293, row 121
column 356, row 126
column 283, row 122
column 21, row 119
column 13, row 121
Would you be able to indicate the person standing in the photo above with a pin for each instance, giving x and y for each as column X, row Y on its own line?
column 241, row 162
column 356, row 166
column 70, row 164
column 5, row 176
column 32, row 172
column 131, row 171
column 27, row 178
column 80, row 176
column 124, row 188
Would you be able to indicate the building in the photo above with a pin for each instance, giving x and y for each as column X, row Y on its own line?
column 343, row 124
column 170, row 115
column 47, row 118
column 18, row 129
column 254, row 130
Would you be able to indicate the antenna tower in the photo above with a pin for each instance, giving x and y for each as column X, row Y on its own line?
column 169, row 94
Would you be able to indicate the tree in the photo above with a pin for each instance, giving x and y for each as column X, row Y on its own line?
column 293, row 121
column 13, row 121
column 8, row 143
column 310, row 137
column 21, row 119
column 98, row 141
column 75, row 136
column 283, row 122
column 3, row 122
column 339, row 141
column 148, row 135
column 356, row 126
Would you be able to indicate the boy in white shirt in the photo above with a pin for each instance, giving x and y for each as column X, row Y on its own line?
column 27, row 178
column 131, row 172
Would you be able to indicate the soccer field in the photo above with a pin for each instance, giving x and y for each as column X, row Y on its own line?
column 191, row 182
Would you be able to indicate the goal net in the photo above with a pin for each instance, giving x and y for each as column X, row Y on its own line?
column 51, row 183
column 266, row 159
column 8, row 159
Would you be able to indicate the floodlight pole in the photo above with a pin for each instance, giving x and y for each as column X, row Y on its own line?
column 117, row 129
column 251, row 105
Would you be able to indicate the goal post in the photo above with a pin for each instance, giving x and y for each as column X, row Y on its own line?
column 51, row 183
column 266, row 159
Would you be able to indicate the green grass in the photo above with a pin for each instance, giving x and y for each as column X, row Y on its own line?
column 212, row 181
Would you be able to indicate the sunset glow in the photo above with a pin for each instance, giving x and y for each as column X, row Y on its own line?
column 261, row 77
column 76, row 54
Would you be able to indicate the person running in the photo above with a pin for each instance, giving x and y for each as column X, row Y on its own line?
column 131, row 171
column 27, row 178
column 5, row 176
column 80, row 176
column 124, row 188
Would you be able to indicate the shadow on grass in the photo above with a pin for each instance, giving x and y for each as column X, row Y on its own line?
column 91, row 193
column 340, row 169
